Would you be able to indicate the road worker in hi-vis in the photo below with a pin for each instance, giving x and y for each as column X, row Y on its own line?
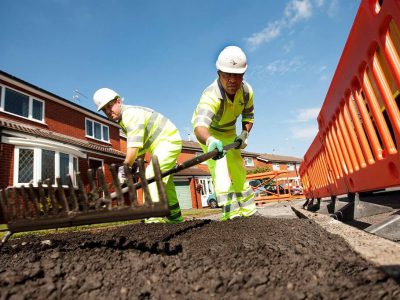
column 146, row 131
column 214, row 123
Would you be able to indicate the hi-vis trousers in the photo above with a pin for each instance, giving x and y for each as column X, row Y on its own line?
column 229, row 178
column 167, row 153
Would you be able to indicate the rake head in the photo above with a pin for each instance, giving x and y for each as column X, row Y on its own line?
column 30, row 208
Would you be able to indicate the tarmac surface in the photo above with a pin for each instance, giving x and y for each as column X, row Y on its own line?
column 274, row 256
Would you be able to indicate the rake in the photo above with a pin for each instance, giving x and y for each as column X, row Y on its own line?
column 47, row 207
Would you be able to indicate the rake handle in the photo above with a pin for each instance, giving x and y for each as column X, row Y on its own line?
column 184, row 165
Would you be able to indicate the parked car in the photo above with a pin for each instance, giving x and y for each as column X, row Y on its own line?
column 258, row 189
column 212, row 201
column 272, row 189
column 296, row 191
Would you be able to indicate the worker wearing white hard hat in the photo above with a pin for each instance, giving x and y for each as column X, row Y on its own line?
column 214, row 123
column 146, row 131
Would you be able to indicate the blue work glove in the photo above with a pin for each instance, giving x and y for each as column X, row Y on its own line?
column 242, row 138
column 212, row 143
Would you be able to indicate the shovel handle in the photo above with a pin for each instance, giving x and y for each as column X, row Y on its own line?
column 197, row 160
column 184, row 165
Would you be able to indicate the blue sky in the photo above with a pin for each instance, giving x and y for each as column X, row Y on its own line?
column 161, row 54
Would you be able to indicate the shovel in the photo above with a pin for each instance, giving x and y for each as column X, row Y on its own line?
column 47, row 207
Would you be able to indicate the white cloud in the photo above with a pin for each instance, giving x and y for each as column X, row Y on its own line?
column 268, row 33
column 333, row 8
column 297, row 10
column 308, row 114
column 323, row 77
column 288, row 47
column 294, row 12
column 305, row 133
column 283, row 66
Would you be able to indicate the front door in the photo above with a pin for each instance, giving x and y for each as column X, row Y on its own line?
column 206, row 189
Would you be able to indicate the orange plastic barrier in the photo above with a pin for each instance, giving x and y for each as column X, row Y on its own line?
column 357, row 146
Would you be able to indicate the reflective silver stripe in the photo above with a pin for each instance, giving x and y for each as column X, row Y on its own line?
column 248, row 110
column 157, row 132
column 249, row 202
column 205, row 113
column 135, row 139
column 221, row 199
column 134, row 127
column 202, row 119
column 231, row 207
column 246, row 193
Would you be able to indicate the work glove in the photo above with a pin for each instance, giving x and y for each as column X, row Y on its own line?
column 121, row 174
column 212, row 143
column 242, row 138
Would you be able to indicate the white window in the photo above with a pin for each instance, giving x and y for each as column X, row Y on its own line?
column 276, row 167
column 248, row 161
column 97, row 131
column 34, row 164
column 290, row 167
column 22, row 105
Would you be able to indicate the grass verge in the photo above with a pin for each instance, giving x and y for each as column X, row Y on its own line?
column 187, row 213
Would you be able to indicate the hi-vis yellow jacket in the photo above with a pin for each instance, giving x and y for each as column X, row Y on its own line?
column 145, row 128
column 219, row 114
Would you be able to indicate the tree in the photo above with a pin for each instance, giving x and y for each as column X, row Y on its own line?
column 259, row 170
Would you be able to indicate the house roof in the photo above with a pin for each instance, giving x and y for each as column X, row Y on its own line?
column 39, row 132
column 57, row 98
column 190, row 145
column 194, row 145
column 193, row 171
column 279, row 158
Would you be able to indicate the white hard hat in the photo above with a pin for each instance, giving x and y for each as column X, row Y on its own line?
column 232, row 60
column 102, row 96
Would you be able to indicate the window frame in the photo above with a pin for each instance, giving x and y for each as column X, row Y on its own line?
column 290, row 167
column 276, row 166
column 248, row 161
column 31, row 99
column 37, row 165
column 102, row 127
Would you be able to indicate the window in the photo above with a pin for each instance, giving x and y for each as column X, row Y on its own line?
column 97, row 131
column 290, row 167
column 248, row 161
column 48, row 167
column 23, row 105
column 25, row 167
column 276, row 167
column 34, row 164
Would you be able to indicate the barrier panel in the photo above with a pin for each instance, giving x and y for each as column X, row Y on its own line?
column 357, row 146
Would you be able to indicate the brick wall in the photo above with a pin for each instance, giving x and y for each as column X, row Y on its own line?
column 62, row 119
column 7, row 165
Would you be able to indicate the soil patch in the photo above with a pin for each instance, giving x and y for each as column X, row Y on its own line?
column 255, row 258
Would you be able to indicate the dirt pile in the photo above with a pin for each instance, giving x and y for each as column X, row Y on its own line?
column 240, row 259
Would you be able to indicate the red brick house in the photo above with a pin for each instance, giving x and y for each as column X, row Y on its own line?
column 43, row 135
